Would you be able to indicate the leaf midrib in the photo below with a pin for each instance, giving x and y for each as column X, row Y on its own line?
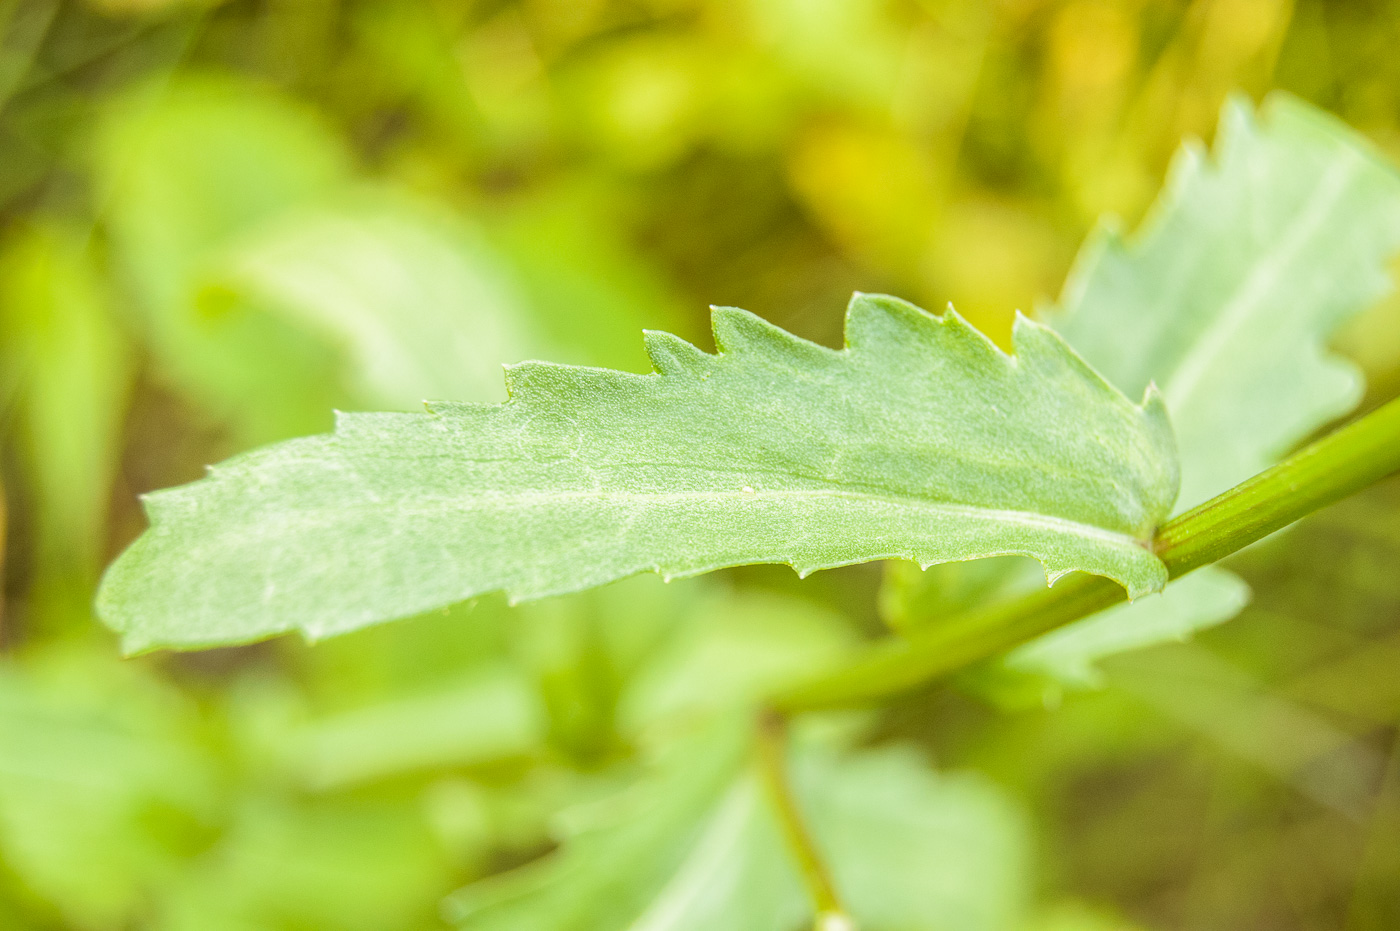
column 743, row 472
column 1022, row 518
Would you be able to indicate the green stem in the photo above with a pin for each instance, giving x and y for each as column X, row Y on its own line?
column 772, row 757
column 1338, row 465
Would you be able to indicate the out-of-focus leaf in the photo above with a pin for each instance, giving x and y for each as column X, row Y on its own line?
column 920, row 439
column 67, row 373
column 1228, row 295
column 912, row 597
column 1066, row 659
column 1203, row 599
column 183, row 170
column 347, row 864
column 911, row 848
column 264, row 273
column 423, row 654
column 624, row 662
column 736, row 649
column 584, row 650
column 589, row 291
column 635, row 662
column 103, row 787
column 646, row 99
column 122, row 805
column 490, row 715
column 427, row 306
column 696, row 847
column 1227, row 299
column 584, row 678
column 414, row 297
column 621, row 853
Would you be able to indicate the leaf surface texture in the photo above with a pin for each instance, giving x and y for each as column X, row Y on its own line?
column 919, row 440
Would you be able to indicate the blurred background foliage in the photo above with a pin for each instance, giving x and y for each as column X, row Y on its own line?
column 221, row 221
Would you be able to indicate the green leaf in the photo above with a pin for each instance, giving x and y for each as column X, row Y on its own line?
column 490, row 714
column 184, row 168
column 424, row 303
column 912, row 597
column 588, row 289
column 413, row 296
column 616, row 854
column 124, row 804
column 1227, row 296
column 920, row 440
column 1203, row 599
column 694, row 847
column 104, row 786
column 67, row 372
column 911, row 848
column 273, row 286
column 338, row 863
column 608, row 668
column 735, row 650
column 618, row 664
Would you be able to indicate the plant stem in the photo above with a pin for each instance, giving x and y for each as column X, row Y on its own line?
column 772, row 757
column 1335, row 466
column 1340, row 464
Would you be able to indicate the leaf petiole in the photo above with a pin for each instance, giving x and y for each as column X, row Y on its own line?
column 1340, row 464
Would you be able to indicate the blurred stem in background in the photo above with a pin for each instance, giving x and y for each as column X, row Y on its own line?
column 771, row 748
